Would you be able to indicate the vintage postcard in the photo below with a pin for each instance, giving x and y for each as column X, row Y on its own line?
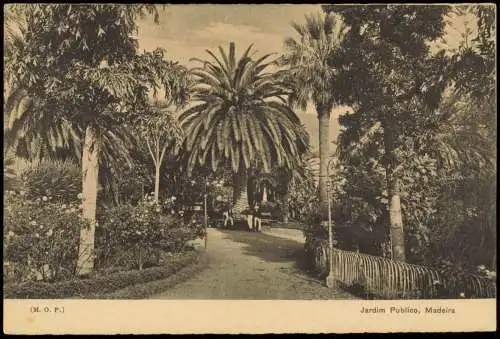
column 284, row 168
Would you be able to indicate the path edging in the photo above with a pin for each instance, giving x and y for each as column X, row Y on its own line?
column 146, row 290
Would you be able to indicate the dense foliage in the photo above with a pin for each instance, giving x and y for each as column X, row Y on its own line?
column 99, row 286
column 414, row 177
column 60, row 180
column 441, row 145
column 137, row 235
column 40, row 238
column 70, row 72
column 241, row 117
column 77, row 79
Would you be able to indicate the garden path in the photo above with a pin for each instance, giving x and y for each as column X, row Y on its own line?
column 262, row 266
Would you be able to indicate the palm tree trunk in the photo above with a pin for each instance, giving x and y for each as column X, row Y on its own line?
column 324, row 150
column 240, row 195
column 157, row 182
column 241, row 202
column 90, row 173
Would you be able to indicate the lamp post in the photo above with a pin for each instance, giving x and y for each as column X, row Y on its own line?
column 205, row 218
column 330, row 280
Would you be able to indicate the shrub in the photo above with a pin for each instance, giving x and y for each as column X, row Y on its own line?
column 145, row 290
column 61, row 180
column 109, row 245
column 313, row 220
column 136, row 235
column 86, row 288
column 41, row 238
column 273, row 208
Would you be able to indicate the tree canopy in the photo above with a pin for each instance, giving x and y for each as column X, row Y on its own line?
column 241, row 115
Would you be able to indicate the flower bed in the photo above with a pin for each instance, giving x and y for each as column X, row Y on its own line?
column 134, row 235
column 86, row 288
column 41, row 238
column 146, row 290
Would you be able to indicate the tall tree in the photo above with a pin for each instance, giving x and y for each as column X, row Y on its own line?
column 314, row 75
column 80, row 68
column 387, row 69
column 465, row 146
column 241, row 117
column 159, row 130
column 446, row 165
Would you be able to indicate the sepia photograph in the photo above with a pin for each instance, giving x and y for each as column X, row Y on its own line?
column 244, row 154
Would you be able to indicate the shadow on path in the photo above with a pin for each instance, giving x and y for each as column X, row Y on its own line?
column 270, row 248
column 255, row 266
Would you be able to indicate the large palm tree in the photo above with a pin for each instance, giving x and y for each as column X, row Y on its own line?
column 241, row 118
column 314, row 75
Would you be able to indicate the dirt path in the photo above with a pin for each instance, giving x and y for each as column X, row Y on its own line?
column 246, row 265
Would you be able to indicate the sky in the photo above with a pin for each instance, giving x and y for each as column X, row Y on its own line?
column 186, row 31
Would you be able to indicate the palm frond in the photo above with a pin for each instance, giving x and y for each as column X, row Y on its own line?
column 307, row 57
column 241, row 114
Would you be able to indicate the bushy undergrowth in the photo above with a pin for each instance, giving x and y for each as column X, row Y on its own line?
column 60, row 180
column 274, row 209
column 135, row 236
column 41, row 238
column 102, row 284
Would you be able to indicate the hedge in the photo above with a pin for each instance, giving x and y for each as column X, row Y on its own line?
column 144, row 291
column 86, row 288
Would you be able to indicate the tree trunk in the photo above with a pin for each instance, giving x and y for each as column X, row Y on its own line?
column 90, row 173
column 157, row 182
column 240, row 195
column 396, row 220
column 251, row 192
column 494, row 260
column 240, row 202
column 395, row 215
column 140, row 257
column 324, row 152
column 264, row 192
column 115, row 190
column 285, row 208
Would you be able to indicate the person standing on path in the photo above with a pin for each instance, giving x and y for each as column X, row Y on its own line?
column 228, row 218
column 250, row 221
column 256, row 219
